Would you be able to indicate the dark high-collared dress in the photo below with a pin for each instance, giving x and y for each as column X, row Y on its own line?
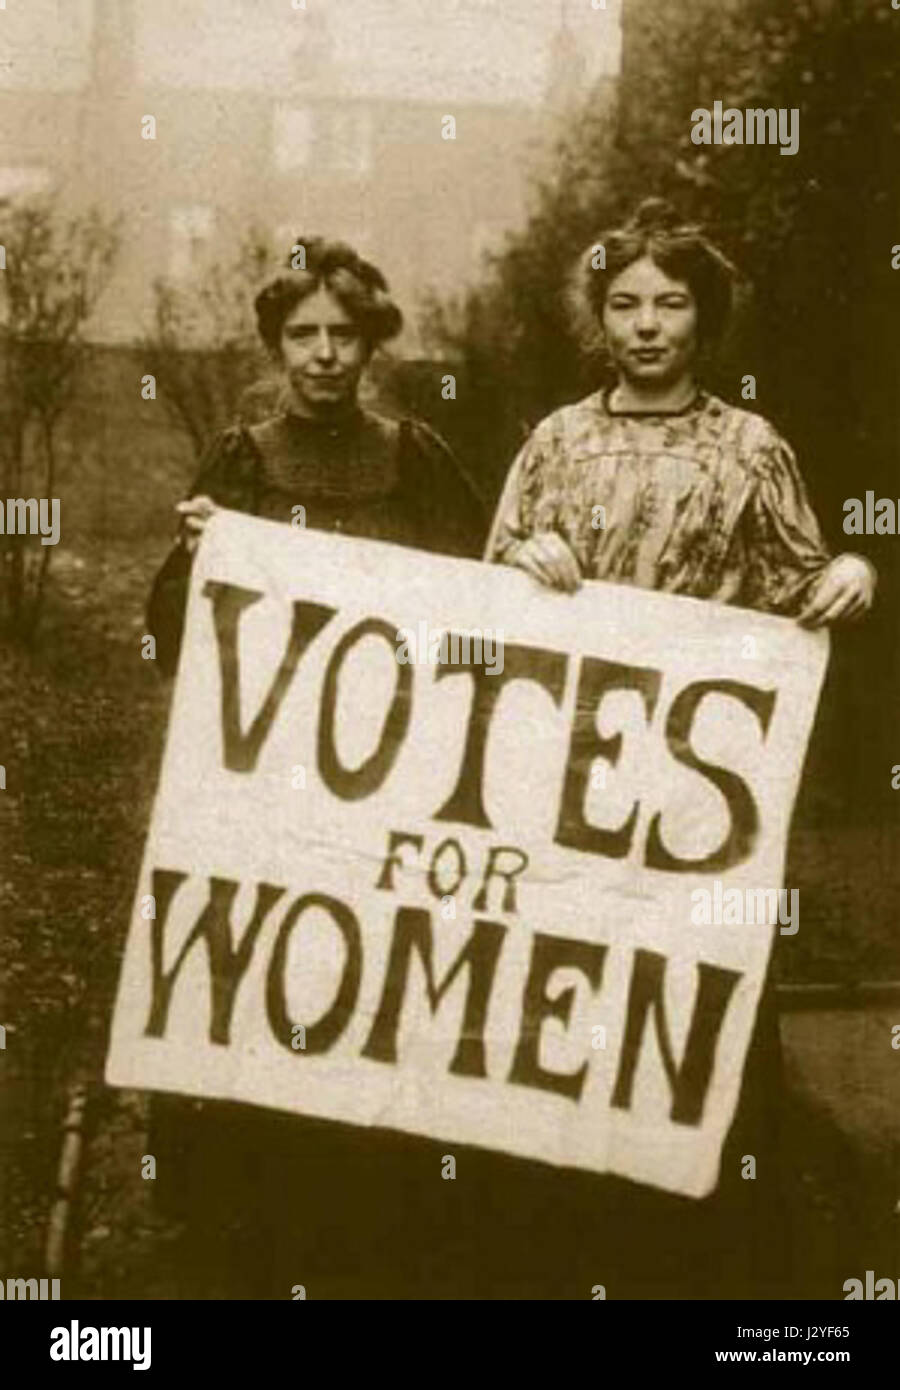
column 365, row 475
column 273, row 1200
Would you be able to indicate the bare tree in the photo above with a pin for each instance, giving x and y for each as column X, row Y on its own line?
column 55, row 269
column 203, row 348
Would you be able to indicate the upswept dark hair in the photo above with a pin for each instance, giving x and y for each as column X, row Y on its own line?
column 681, row 249
column 357, row 285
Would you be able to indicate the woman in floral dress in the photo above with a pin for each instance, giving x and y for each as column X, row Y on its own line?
column 654, row 482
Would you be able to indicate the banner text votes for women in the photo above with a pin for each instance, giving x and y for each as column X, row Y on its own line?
column 454, row 901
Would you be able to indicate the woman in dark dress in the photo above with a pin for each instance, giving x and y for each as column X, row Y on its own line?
column 703, row 499
column 271, row 1200
column 349, row 469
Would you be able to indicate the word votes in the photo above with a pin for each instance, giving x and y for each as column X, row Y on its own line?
column 546, row 668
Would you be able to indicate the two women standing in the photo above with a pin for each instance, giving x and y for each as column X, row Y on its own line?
column 696, row 497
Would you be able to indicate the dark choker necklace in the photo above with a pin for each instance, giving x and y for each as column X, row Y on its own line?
column 638, row 414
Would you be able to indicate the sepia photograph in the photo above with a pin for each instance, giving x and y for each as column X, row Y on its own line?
column 449, row 681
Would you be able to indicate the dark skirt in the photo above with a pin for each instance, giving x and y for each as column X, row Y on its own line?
column 271, row 1201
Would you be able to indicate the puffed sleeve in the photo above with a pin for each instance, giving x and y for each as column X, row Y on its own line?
column 514, row 518
column 785, row 549
column 227, row 477
column 448, row 505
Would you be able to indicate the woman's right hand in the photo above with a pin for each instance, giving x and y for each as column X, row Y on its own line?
column 547, row 558
column 194, row 513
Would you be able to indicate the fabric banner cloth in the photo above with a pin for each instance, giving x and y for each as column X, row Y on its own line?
column 429, row 843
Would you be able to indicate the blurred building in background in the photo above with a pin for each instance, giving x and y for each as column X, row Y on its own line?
column 291, row 129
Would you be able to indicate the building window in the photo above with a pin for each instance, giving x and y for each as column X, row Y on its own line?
column 294, row 131
column 191, row 233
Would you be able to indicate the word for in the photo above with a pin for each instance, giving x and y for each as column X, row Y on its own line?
column 751, row 127
column 428, row 647
column 25, row 516
column 101, row 1344
column 878, row 519
column 853, row 1288
column 748, row 907
column 29, row 1288
column 543, row 667
column 449, row 856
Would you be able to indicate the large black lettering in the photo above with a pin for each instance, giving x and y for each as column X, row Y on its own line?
column 324, row 1033
column 352, row 784
column 545, row 668
column 226, row 964
column 229, row 601
column 690, row 1081
column 741, row 838
column 548, row 953
column 412, row 932
column 595, row 680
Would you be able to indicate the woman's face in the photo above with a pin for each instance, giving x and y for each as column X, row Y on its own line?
column 650, row 325
column 323, row 354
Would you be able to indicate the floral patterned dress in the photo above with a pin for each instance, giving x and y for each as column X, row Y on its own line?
column 707, row 502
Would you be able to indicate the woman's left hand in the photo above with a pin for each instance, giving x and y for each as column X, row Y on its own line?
column 844, row 592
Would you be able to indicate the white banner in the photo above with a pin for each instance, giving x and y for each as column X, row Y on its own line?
column 456, row 887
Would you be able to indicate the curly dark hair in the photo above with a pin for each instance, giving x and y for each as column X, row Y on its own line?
column 357, row 285
column 681, row 249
